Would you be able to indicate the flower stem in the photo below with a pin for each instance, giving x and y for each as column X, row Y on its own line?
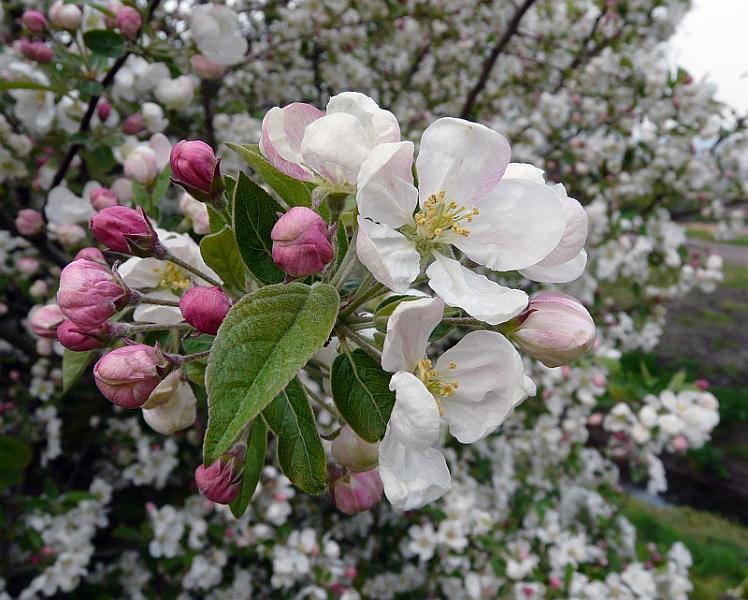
column 180, row 359
column 133, row 329
column 147, row 300
column 361, row 341
column 187, row 267
column 349, row 262
column 323, row 404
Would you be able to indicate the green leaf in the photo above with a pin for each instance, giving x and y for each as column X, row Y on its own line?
column 263, row 342
column 221, row 254
column 140, row 196
column 74, row 364
column 217, row 222
column 360, row 388
column 16, row 456
column 254, row 461
column 293, row 191
column 300, row 452
column 255, row 213
column 104, row 42
column 161, row 185
column 99, row 160
column 27, row 85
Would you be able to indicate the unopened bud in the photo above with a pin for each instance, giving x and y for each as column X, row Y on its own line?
column 301, row 245
column 128, row 21
column 196, row 168
column 102, row 198
column 65, row 16
column 80, row 340
column 555, row 329
column 34, row 21
column 91, row 253
column 125, row 230
column 29, row 221
column 221, row 481
column 356, row 492
column 205, row 308
column 45, row 320
column 141, row 165
column 354, row 452
column 103, row 110
column 133, row 124
column 127, row 376
column 89, row 293
column 206, row 69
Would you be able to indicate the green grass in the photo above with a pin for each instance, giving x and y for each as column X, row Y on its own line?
column 719, row 547
column 699, row 233
column 736, row 277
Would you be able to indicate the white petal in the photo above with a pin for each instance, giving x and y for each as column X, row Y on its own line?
column 390, row 257
column 519, row 224
column 524, row 171
column 466, row 160
column 282, row 133
column 380, row 125
column 386, row 193
column 162, row 148
column 141, row 272
column 476, row 294
column 412, row 478
column 154, row 313
column 491, row 382
column 179, row 409
column 64, row 207
column 415, row 419
column 563, row 273
column 575, row 231
column 408, row 331
column 334, row 147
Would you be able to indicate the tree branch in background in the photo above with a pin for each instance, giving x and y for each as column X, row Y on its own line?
column 469, row 106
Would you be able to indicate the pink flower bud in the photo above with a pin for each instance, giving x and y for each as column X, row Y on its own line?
column 103, row 109
column 102, row 198
column 555, row 329
column 38, row 51
column 702, row 384
column 205, row 308
column 206, row 69
column 79, row 340
column 29, row 221
column 133, row 124
column 89, row 294
column 127, row 376
column 221, row 481
column 141, row 165
column 27, row 265
column 356, row 492
column 301, row 245
column 125, row 230
column 680, row 443
column 91, row 253
column 45, row 320
column 65, row 16
column 34, row 21
column 195, row 167
column 354, row 452
column 128, row 21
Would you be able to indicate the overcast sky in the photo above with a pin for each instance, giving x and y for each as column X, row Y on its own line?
column 712, row 41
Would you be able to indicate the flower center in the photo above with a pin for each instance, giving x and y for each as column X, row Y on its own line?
column 438, row 218
column 174, row 279
column 434, row 380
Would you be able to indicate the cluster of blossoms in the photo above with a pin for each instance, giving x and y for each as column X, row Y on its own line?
column 435, row 262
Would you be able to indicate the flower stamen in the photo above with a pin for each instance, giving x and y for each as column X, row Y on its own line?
column 439, row 218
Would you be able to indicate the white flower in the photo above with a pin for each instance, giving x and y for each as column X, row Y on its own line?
column 305, row 143
column 63, row 207
column 171, row 406
column 153, row 117
column 215, row 29
column 176, row 94
column 473, row 385
column 462, row 200
column 165, row 280
column 34, row 108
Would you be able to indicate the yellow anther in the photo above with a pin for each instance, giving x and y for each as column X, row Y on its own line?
column 439, row 217
column 453, row 365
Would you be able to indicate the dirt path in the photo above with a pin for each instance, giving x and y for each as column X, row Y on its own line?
column 734, row 255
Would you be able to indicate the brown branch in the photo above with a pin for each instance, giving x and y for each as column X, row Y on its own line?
column 208, row 90
column 86, row 121
column 488, row 65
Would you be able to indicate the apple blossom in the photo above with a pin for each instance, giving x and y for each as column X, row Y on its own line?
column 356, row 492
column 301, row 243
column 353, row 452
column 64, row 15
column 89, row 294
column 205, row 308
column 102, row 198
column 34, row 21
column 195, row 167
column 128, row 21
column 176, row 94
column 215, row 29
column 171, row 405
column 221, row 480
column 44, row 320
column 474, row 386
column 305, row 143
column 29, row 221
column 126, row 376
column 555, row 329
column 141, row 165
column 206, row 68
